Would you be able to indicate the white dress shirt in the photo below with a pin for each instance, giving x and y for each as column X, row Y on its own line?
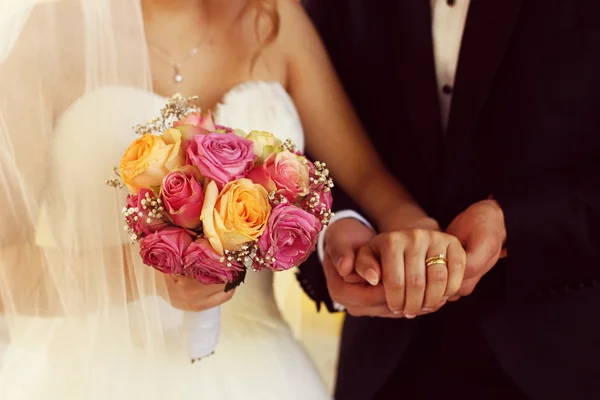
column 448, row 24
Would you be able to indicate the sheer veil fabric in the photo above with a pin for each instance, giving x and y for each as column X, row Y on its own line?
column 68, row 277
column 75, row 299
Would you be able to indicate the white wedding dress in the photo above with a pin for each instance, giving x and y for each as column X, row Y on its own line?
column 257, row 356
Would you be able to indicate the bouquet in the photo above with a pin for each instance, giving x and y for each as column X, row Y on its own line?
column 208, row 202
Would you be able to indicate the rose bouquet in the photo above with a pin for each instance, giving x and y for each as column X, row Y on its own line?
column 208, row 202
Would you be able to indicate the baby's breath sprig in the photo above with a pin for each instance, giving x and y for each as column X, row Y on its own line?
column 151, row 213
column 320, row 183
column 248, row 256
column 176, row 108
column 289, row 146
column 115, row 181
column 276, row 198
column 321, row 176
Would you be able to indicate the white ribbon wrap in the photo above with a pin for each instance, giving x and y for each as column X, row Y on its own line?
column 201, row 332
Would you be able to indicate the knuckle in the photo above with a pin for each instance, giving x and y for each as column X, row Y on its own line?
column 437, row 275
column 395, row 282
column 419, row 235
column 416, row 281
column 460, row 265
column 391, row 240
column 453, row 241
column 413, row 250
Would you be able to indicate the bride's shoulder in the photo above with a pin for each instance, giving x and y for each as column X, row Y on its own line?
column 297, row 32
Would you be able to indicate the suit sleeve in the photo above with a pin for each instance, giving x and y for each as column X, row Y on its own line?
column 553, row 232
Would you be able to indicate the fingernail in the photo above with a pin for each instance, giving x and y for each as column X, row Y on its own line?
column 372, row 277
column 397, row 312
column 426, row 309
column 410, row 316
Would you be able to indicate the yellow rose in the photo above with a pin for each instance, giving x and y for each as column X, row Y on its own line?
column 150, row 158
column 265, row 143
column 235, row 216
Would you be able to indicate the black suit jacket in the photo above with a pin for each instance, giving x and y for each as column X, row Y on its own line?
column 524, row 127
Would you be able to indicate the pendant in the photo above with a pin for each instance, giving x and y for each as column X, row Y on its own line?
column 177, row 78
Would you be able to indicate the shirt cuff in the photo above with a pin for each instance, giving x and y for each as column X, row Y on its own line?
column 338, row 216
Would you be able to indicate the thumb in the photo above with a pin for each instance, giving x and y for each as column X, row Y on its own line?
column 341, row 254
column 480, row 252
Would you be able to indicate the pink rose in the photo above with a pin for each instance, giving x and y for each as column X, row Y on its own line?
column 137, row 213
column 202, row 263
column 183, row 197
column 261, row 176
column 164, row 249
column 221, row 157
column 289, row 173
column 290, row 237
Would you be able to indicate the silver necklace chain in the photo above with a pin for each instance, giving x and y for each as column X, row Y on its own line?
column 177, row 77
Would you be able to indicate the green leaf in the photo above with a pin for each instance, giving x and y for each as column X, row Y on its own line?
column 236, row 282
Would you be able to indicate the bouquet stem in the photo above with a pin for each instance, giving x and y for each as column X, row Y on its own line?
column 201, row 332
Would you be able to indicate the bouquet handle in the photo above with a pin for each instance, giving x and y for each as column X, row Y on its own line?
column 201, row 332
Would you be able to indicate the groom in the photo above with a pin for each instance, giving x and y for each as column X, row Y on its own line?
column 488, row 111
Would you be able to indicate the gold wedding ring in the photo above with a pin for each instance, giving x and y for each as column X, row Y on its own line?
column 435, row 260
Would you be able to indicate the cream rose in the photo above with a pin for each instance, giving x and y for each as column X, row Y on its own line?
column 265, row 144
column 150, row 158
column 235, row 216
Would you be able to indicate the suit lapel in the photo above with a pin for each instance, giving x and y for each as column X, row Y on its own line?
column 487, row 32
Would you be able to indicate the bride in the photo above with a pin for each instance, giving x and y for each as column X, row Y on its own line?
column 80, row 316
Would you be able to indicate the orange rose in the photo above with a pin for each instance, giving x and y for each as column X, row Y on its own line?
column 235, row 216
column 150, row 158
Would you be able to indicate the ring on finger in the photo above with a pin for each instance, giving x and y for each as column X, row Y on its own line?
column 436, row 260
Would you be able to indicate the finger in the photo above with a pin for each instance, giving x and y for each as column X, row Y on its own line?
column 341, row 254
column 436, row 274
column 382, row 311
column 468, row 286
column 454, row 298
column 456, row 267
column 214, row 300
column 435, row 287
column 414, row 258
column 351, row 294
column 367, row 265
column 354, row 278
column 481, row 251
column 435, row 309
column 390, row 249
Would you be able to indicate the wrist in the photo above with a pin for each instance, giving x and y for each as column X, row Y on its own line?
column 410, row 217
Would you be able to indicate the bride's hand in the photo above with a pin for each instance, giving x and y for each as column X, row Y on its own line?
column 397, row 260
column 190, row 295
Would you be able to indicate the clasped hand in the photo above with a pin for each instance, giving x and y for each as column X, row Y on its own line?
column 385, row 275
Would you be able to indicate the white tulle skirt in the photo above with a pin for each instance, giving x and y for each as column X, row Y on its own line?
column 255, row 359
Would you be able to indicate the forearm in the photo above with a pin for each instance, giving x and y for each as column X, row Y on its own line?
column 389, row 203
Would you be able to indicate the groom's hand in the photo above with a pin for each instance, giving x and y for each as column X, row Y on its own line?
column 342, row 240
column 481, row 230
